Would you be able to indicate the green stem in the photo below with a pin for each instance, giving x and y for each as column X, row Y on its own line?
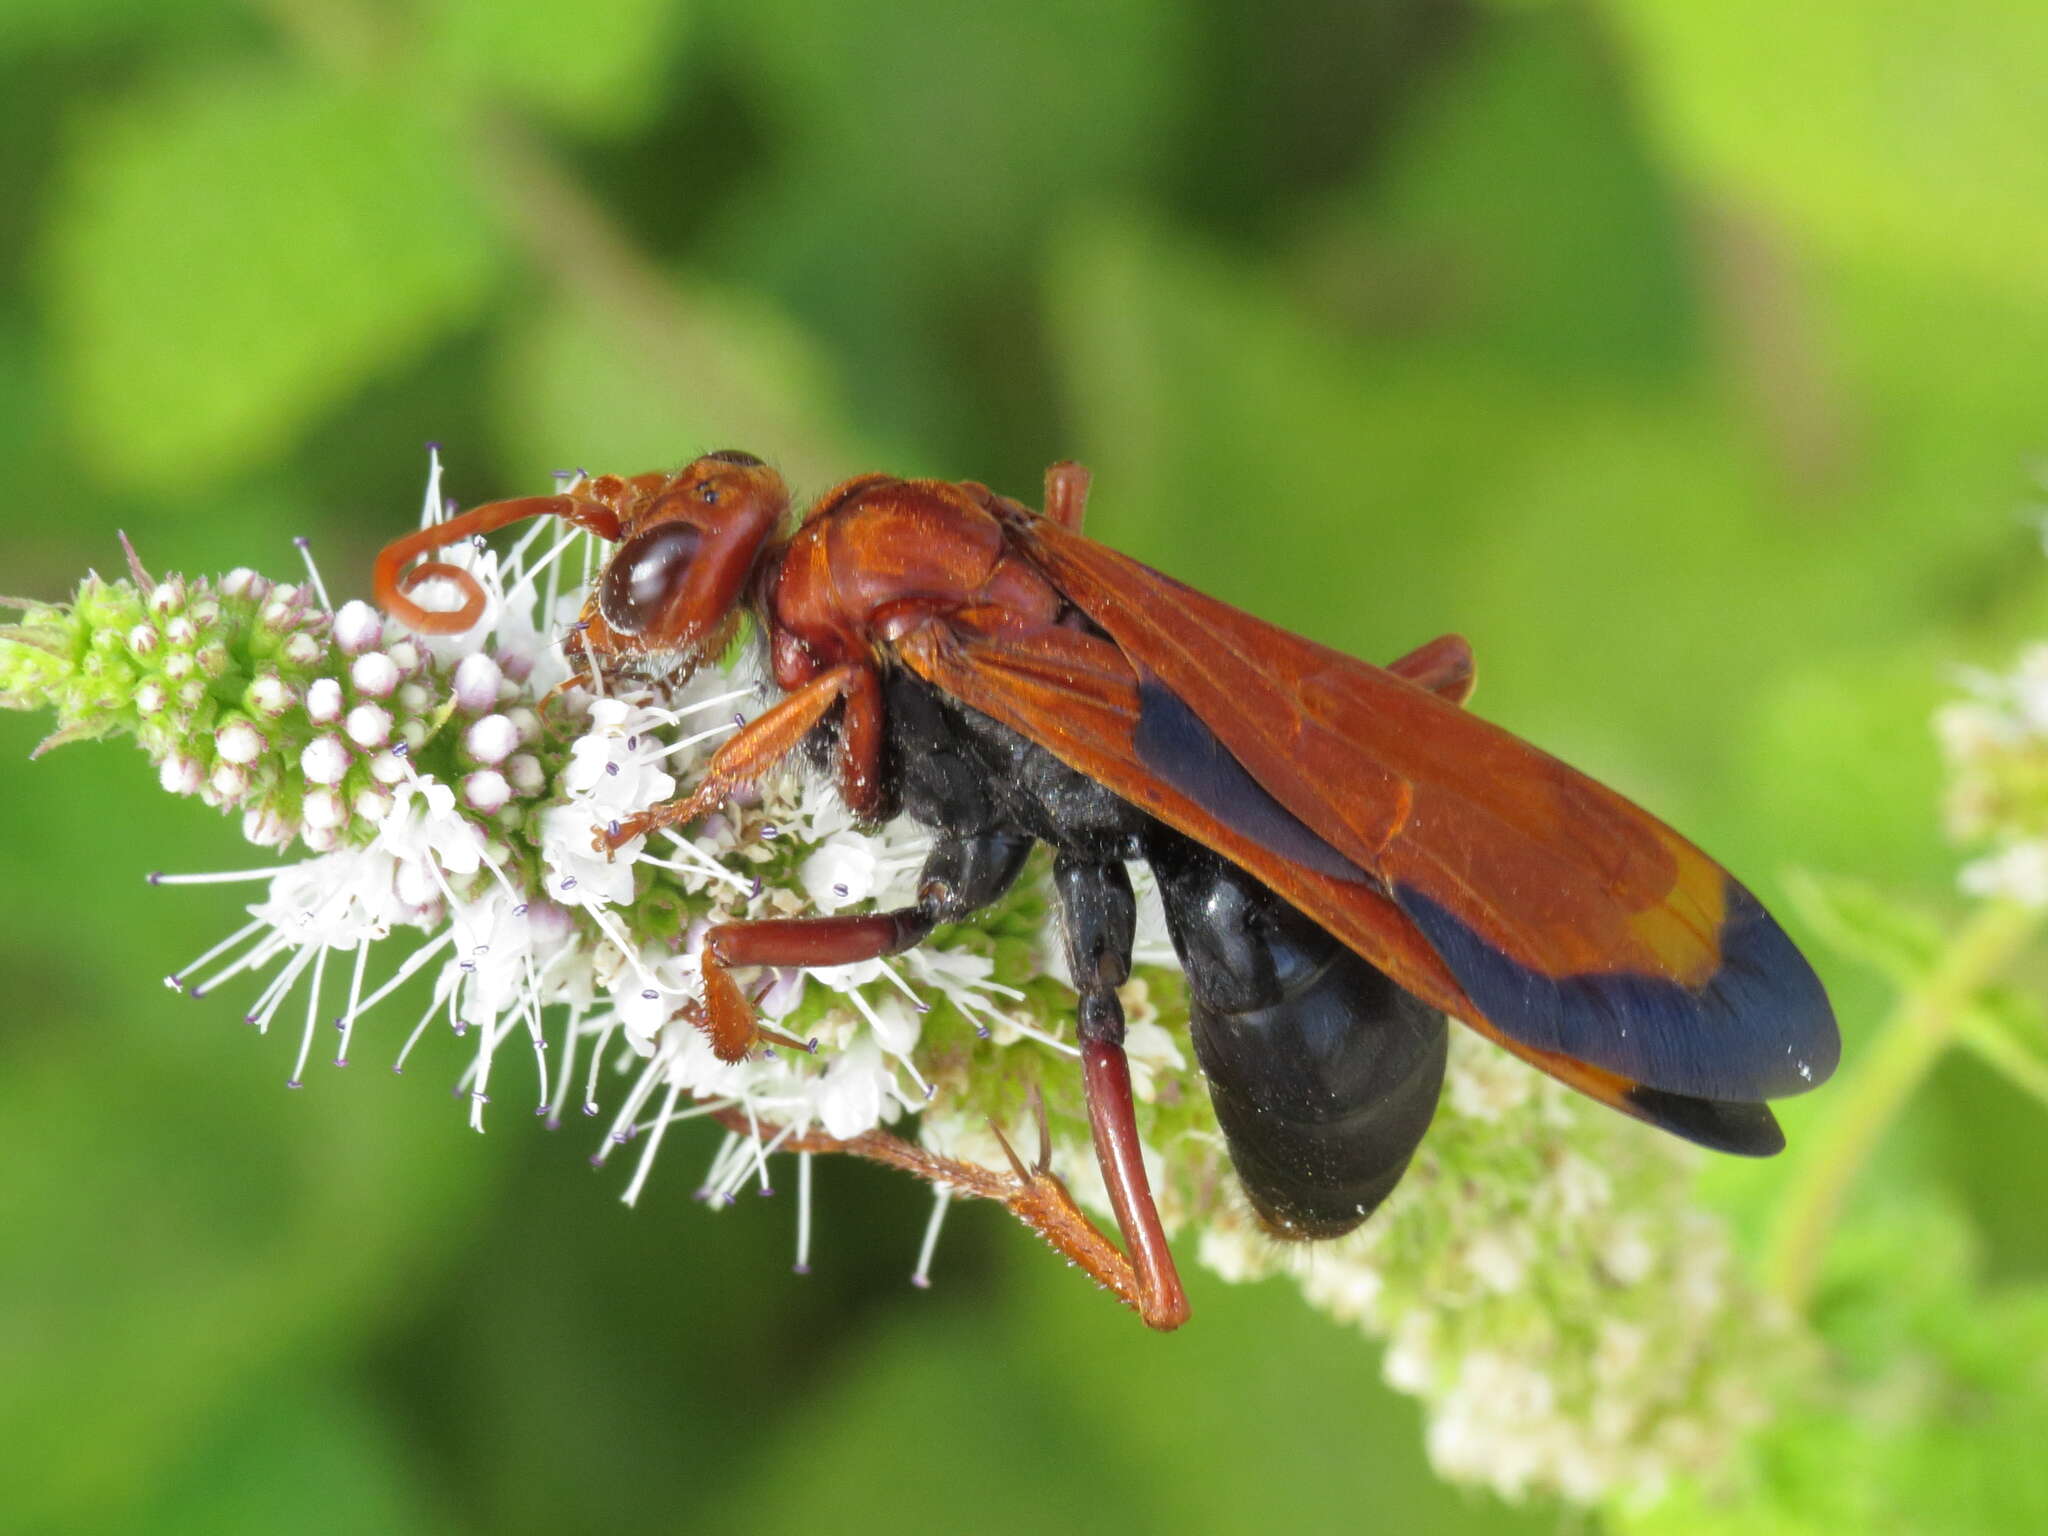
column 1925, row 1023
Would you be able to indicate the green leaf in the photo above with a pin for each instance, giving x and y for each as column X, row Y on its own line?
column 231, row 255
column 597, row 66
column 1863, row 922
column 84, row 23
column 1884, row 129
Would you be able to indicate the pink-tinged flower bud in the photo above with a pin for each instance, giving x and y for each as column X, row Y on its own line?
column 205, row 614
column 245, row 583
column 177, row 666
column 151, row 698
column 304, row 650
column 168, row 597
column 324, row 807
column 267, row 828
column 374, row 675
column 230, row 781
column 323, row 701
column 373, row 804
column 320, row 839
column 491, row 740
column 191, row 692
column 525, row 774
column 239, row 742
column 407, row 656
column 486, row 791
column 369, row 726
column 357, row 627
column 271, row 696
column 182, row 632
column 477, row 680
column 143, row 639
column 388, row 768
column 213, row 659
column 326, row 760
column 180, row 774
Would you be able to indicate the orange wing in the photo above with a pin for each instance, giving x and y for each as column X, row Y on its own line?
column 1483, row 875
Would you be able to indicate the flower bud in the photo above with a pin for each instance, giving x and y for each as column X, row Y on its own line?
column 271, row 697
column 180, row 774
column 229, row 781
column 374, row 675
column 143, row 639
column 491, row 740
column 239, row 742
column 357, row 627
column 324, row 808
column 369, row 726
column 304, row 650
column 267, row 827
column 326, row 760
column 486, row 791
column 477, row 681
column 525, row 774
column 245, row 583
column 323, row 701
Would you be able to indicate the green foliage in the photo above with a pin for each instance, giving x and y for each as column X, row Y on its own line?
column 610, row 74
column 201, row 331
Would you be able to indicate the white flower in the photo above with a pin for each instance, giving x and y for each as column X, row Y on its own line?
column 842, row 872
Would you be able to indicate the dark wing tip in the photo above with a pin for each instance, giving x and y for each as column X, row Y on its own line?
column 1719, row 1125
column 1761, row 1027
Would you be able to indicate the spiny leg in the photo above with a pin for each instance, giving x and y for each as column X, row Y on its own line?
column 767, row 739
column 1034, row 1195
column 1101, row 922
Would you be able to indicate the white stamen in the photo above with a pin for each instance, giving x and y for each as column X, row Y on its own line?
column 922, row 1276
column 803, row 1214
column 646, row 1163
column 313, row 572
column 312, row 1016
column 224, row 877
column 247, row 930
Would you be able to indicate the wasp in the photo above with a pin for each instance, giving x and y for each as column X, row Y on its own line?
column 1347, row 857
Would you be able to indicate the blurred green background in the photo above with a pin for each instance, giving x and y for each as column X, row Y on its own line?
column 1688, row 358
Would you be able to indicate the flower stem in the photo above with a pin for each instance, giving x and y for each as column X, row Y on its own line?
column 1923, row 1026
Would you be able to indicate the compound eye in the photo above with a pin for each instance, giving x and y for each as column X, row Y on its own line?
column 645, row 576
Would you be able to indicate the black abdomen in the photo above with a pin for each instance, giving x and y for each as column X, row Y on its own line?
column 1323, row 1072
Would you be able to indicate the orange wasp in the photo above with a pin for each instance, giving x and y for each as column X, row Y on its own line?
column 1346, row 856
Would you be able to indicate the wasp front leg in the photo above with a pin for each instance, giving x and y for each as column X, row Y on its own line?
column 765, row 741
